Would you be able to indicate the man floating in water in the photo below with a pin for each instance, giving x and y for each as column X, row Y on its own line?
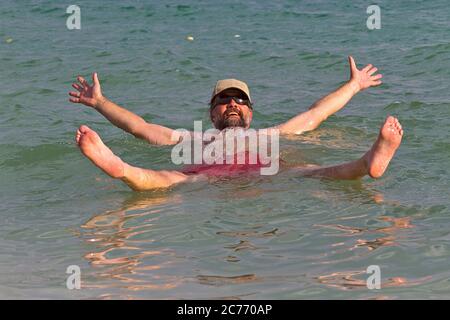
column 230, row 108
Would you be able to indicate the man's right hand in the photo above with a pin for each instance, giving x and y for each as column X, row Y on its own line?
column 122, row 118
column 90, row 96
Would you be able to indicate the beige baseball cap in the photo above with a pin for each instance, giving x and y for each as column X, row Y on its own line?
column 225, row 84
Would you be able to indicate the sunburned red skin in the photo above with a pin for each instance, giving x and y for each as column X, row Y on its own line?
column 222, row 170
column 219, row 170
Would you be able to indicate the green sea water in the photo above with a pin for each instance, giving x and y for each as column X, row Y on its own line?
column 278, row 237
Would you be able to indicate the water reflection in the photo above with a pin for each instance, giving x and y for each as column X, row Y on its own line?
column 221, row 280
column 347, row 280
column 126, row 254
column 119, row 249
column 391, row 232
column 132, row 249
column 361, row 237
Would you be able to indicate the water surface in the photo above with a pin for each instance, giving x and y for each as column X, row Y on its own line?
column 280, row 237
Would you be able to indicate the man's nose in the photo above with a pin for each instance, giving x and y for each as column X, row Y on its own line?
column 232, row 104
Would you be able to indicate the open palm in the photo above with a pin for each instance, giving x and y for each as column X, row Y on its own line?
column 365, row 77
column 87, row 94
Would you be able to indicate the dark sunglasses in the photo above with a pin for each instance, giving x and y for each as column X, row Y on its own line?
column 227, row 100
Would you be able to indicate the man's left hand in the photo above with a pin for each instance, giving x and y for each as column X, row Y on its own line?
column 364, row 78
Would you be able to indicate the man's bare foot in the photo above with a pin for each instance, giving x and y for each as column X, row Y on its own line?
column 93, row 147
column 382, row 151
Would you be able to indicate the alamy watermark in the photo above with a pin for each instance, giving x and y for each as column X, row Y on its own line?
column 229, row 146
column 374, row 280
column 73, row 22
column 74, row 279
column 374, row 20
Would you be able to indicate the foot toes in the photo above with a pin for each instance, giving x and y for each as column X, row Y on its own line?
column 390, row 120
column 77, row 134
column 84, row 129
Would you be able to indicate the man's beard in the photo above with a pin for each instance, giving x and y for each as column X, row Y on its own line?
column 233, row 121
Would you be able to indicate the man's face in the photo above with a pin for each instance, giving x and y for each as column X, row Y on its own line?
column 227, row 113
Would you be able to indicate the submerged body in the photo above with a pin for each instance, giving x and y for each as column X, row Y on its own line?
column 373, row 163
column 233, row 168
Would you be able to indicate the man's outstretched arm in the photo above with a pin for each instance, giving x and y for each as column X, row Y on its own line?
column 335, row 101
column 92, row 96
